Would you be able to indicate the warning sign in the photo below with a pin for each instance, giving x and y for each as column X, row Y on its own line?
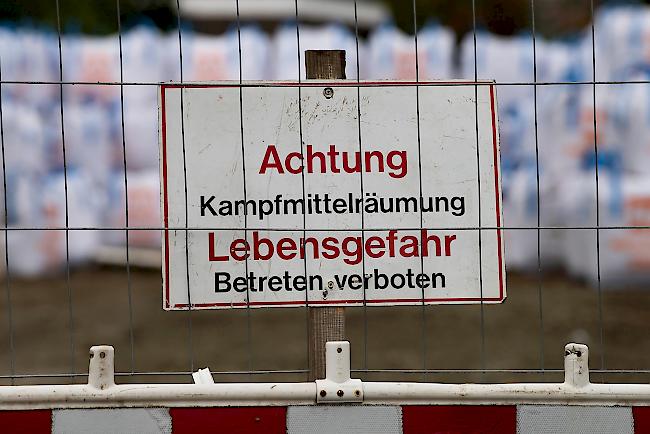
column 275, row 195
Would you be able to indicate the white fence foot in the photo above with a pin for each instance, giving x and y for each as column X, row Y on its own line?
column 337, row 385
column 101, row 371
column 576, row 365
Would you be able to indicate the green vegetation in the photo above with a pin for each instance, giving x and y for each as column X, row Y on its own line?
column 552, row 17
column 506, row 17
column 87, row 16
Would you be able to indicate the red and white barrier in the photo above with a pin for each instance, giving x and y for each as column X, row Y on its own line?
column 521, row 419
column 574, row 406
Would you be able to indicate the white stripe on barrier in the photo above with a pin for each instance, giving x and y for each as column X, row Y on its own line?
column 575, row 420
column 336, row 419
column 132, row 420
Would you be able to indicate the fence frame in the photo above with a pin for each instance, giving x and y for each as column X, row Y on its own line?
column 86, row 393
column 102, row 392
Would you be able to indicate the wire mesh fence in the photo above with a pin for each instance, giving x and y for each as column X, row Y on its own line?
column 51, row 320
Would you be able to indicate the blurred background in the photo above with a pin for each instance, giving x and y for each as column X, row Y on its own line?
column 567, row 281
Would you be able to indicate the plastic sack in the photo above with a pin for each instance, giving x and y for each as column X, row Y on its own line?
column 39, row 63
column 504, row 59
column 144, row 209
column 87, row 135
column 140, row 136
column 624, row 200
column 284, row 49
column 143, row 61
column 12, row 55
column 24, row 138
column 216, row 57
column 520, row 211
column 91, row 59
column 391, row 53
column 628, row 108
column 35, row 252
column 623, row 39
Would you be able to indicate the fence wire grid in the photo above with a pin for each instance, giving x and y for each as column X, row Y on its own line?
column 512, row 342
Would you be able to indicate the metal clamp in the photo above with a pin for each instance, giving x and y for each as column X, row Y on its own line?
column 101, row 369
column 576, row 365
column 337, row 385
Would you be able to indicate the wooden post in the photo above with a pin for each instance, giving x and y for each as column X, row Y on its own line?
column 325, row 323
column 325, row 64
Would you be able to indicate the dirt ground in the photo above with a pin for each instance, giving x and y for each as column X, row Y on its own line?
column 407, row 338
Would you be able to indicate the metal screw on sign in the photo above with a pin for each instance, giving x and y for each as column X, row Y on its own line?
column 328, row 92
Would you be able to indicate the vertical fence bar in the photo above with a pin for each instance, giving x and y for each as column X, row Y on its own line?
column 539, row 252
column 595, row 130
column 302, row 183
column 417, row 122
column 249, row 328
column 187, row 258
column 325, row 323
column 361, row 190
column 126, row 192
column 67, row 214
column 10, row 316
column 478, row 176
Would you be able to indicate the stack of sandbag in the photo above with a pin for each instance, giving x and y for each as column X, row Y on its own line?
column 622, row 133
column 30, row 55
column 624, row 201
column 143, row 210
column 25, row 173
column 526, row 179
column 547, row 132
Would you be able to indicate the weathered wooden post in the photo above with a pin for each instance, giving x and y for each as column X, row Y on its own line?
column 325, row 323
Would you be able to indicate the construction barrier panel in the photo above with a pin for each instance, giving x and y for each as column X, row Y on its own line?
column 336, row 404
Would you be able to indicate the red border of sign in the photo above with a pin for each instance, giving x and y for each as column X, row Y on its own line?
column 164, row 87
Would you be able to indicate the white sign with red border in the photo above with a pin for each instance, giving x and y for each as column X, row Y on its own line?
column 330, row 193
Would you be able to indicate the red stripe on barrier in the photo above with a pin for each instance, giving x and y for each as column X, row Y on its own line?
column 641, row 420
column 229, row 420
column 27, row 421
column 470, row 419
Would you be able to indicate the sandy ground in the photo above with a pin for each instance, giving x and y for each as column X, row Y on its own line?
column 438, row 337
